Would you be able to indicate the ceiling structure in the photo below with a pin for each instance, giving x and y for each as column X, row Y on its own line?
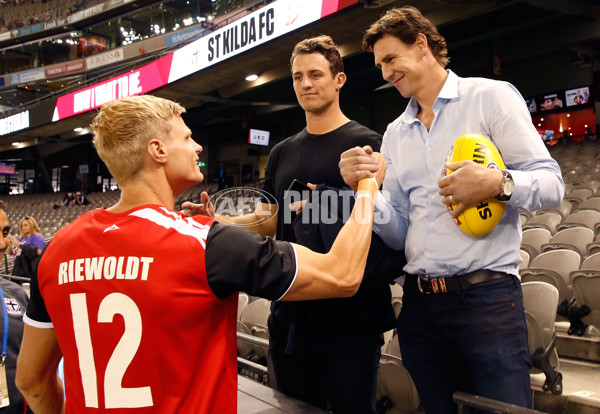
column 523, row 28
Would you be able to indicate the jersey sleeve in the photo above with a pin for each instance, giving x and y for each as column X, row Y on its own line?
column 37, row 314
column 238, row 260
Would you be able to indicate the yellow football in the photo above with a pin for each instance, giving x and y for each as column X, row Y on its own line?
column 480, row 219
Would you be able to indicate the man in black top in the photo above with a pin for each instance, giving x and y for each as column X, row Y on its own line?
column 324, row 352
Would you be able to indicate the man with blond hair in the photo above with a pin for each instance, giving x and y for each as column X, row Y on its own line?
column 141, row 301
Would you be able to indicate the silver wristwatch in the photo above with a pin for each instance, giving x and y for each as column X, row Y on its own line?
column 507, row 187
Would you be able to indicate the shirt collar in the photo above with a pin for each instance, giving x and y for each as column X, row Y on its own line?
column 449, row 91
column 450, row 88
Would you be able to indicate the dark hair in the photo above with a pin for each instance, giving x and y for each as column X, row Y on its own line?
column 406, row 23
column 324, row 45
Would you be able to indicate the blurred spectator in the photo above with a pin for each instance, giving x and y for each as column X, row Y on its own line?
column 589, row 134
column 29, row 235
column 69, row 200
column 27, row 247
column 80, row 199
column 14, row 302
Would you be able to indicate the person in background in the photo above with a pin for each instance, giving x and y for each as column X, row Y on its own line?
column 69, row 200
column 29, row 235
column 14, row 302
column 111, row 284
column 462, row 323
column 27, row 247
column 80, row 199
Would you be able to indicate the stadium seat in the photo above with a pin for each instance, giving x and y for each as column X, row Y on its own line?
column 524, row 215
column 540, row 301
column 591, row 262
column 533, row 239
column 568, row 187
column 586, row 288
column 592, row 203
column 524, row 259
column 244, row 349
column 592, row 185
column 574, row 238
column 243, row 300
column 553, row 267
column 547, row 220
column 579, row 194
column 255, row 316
column 393, row 346
column 396, row 392
column 583, row 218
column 387, row 337
column 593, row 247
column 397, row 293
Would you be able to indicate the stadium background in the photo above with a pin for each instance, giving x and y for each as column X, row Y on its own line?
column 542, row 47
column 548, row 49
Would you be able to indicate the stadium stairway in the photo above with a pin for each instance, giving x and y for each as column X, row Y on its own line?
column 580, row 368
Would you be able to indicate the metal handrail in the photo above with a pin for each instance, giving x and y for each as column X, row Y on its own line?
column 21, row 278
column 254, row 340
column 464, row 399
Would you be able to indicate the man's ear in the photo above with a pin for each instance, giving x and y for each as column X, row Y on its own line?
column 421, row 42
column 340, row 80
column 157, row 150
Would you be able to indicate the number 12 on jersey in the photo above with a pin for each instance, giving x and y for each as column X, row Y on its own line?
column 115, row 396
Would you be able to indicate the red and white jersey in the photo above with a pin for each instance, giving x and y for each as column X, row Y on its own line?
column 141, row 325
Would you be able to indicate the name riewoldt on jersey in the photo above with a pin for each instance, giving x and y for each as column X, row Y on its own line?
column 98, row 268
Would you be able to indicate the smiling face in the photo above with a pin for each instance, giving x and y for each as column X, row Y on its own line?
column 182, row 163
column 317, row 89
column 401, row 65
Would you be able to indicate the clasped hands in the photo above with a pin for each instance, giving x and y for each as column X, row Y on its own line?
column 469, row 184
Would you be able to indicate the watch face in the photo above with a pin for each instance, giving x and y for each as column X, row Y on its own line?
column 509, row 186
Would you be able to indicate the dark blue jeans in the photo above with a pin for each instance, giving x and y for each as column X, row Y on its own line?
column 473, row 341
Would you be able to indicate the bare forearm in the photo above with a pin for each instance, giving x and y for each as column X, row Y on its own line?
column 46, row 397
column 339, row 272
column 36, row 371
column 263, row 221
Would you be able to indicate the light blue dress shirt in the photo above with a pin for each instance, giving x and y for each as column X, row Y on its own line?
column 414, row 217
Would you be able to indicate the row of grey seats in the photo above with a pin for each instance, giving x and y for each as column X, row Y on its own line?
column 396, row 392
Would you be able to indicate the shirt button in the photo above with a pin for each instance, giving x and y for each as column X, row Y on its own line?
column 428, row 148
column 431, row 224
column 432, row 197
column 428, row 255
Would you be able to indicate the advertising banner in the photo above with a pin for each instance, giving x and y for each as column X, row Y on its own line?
column 258, row 27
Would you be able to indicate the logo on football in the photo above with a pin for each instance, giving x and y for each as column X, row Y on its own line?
column 480, row 219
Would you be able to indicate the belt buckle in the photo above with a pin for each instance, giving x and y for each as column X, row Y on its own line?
column 422, row 286
column 429, row 285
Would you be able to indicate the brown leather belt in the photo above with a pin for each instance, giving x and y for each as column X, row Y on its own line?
column 458, row 283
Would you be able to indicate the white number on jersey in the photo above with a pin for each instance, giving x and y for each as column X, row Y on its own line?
column 115, row 395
